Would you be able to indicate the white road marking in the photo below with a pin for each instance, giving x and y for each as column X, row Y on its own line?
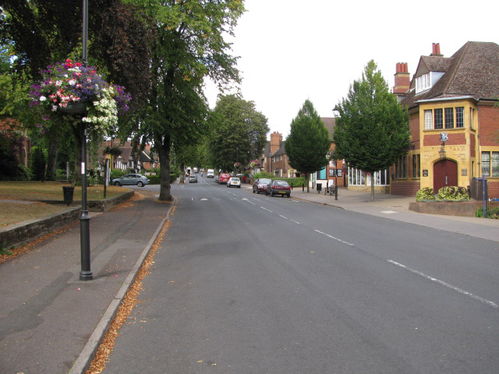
column 204, row 199
column 335, row 238
column 292, row 220
column 445, row 284
column 280, row 215
column 251, row 202
column 268, row 210
column 388, row 211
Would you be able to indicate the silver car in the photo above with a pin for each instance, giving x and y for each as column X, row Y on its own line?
column 131, row 179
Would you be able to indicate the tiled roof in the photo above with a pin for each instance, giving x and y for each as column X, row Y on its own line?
column 472, row 71
column 329, row 123
column 281, row 150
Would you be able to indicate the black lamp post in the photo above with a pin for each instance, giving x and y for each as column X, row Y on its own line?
column 85, row 273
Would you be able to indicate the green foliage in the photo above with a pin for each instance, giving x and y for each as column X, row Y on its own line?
column 308, row 143
column 293, row 182
column 453, row 193
column 238, row 132
column 116, row 173
column 372, row 130
column 425, row 193
column 263, row 174
column 491, row 212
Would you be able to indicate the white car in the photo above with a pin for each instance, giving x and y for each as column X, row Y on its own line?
column 234, row 182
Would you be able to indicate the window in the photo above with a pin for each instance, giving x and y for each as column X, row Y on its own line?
column 438, row 118
column 490, row 164
column 356, row 177
column 449, row 118
column 460, row 116
column 428, row 119
column 485, row 164
column 401, row 167
column 472, row 118
column 416, row 162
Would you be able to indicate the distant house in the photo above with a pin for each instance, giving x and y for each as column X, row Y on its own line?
column 122, row 156
column 453, row 106
column 274, row 159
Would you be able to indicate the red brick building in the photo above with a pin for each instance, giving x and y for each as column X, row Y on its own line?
column 453, row 105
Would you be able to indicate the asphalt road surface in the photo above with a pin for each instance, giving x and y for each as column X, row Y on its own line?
column 247, row 284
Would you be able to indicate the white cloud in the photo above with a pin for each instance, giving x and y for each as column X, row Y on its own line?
column 294, row 50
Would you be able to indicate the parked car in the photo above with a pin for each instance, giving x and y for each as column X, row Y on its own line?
column 261, row 185
column 278, row 187
column 131, row 179
column 234, row 182
column 223, row 178
column 193, row 179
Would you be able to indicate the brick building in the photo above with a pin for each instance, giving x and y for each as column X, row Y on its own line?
column 453, row 105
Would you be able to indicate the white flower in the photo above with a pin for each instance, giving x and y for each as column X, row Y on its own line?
column 54, row 108
column 42, row 98
column 72, row 82
column 58, row 83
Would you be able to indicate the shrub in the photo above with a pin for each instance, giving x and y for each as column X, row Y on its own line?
column 453, row 193
column 491, row 213
column 425, row 193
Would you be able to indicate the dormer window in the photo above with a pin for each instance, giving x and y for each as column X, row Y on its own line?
column 423, row 83
column 426, row 81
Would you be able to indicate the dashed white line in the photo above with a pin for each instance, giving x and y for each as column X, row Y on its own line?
column 292, row 220
column 284, row 217
column 251, row 202
column 445, row 284
column 268, row 210
column 333, row 237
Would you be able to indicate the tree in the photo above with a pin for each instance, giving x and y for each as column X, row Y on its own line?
column 372, row 130
column 238, row 132
column 307, row 143
column 188, row 46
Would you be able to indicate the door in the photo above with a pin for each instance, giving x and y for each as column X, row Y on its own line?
column 444, row 174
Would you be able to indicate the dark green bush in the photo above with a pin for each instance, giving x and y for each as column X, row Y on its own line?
column 491, row 212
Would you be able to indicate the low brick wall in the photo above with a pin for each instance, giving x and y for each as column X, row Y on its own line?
column 23, row 232
column 97, row 205
column 450, row 208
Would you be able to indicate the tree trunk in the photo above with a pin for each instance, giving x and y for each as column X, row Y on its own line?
column 307, row 177
column 164, row 171
column 182, row 168
column 51, row 160
column 372, row 186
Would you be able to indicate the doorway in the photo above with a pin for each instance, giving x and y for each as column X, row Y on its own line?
column 444, row 174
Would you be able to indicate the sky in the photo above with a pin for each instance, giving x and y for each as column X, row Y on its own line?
column 290, row 51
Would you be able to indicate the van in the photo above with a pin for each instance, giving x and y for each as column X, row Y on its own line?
column 210, row 173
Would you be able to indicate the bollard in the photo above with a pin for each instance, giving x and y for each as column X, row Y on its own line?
column 336, row 192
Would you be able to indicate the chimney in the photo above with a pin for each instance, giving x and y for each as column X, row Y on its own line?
column 435, row 50
column 275, row 142
column 402, row 79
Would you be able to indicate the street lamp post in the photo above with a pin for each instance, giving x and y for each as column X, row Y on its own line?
column 85, row 272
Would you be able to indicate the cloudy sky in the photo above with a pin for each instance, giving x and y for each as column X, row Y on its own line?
column 293, row 50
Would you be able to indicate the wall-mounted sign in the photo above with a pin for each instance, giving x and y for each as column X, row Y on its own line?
column 332, row 172
column 339, row 172
column 464, row 172
column 425, row 172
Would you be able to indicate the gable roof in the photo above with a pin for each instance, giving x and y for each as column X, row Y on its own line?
column 472, row 71
column 329, row 124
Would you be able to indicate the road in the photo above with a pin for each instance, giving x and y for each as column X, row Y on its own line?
column 247, row 283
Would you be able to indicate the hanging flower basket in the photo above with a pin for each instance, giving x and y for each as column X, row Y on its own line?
column 72, row 89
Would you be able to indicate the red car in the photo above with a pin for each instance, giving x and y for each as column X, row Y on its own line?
column 278, row 187
column 261, row 185
column 223, row 178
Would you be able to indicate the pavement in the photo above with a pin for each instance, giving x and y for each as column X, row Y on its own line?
column 51, row 322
